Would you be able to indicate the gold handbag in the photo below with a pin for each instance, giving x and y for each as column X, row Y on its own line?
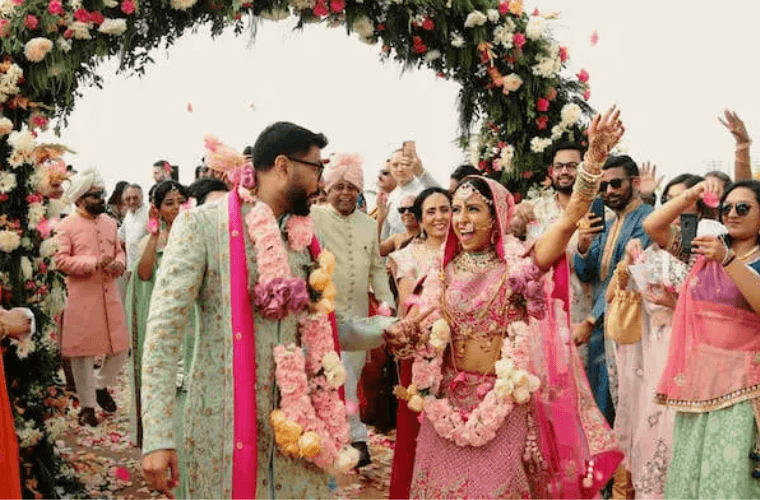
column 622, row 321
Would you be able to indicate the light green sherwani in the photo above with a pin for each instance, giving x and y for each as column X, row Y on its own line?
column 196, row 265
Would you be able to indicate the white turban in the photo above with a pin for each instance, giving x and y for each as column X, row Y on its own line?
column 81, row 183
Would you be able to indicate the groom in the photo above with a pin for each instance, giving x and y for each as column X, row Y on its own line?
column 196, row 265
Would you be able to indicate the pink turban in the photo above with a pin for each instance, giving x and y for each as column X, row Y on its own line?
column 346, row 167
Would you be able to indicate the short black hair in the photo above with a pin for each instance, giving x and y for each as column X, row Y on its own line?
column 163, row 188
column 565, row 145
column 463, row 171
column 202, row 187
column 625, row 161
column 283, row 138
column 160, row 163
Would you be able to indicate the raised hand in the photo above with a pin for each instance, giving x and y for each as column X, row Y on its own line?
column 604, row 133
column 735, row 125
column 648, row 176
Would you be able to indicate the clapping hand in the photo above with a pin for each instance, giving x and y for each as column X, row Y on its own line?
column 604, row 133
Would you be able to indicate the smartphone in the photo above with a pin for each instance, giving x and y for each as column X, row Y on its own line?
column 408, row 149
column 597, row 208
column 688, row 231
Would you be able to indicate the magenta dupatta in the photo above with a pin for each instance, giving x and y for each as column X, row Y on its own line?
column 714, row 354
column 245, row 453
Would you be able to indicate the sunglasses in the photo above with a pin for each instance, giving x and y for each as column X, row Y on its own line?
column 615, row 183
column 403, row 210
column 742, row 208
column 384, row 172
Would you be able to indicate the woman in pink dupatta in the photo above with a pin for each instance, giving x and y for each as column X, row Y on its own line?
column 712, row 376
column 555, row 445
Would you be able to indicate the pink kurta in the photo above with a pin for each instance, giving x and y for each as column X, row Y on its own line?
column 93, row 321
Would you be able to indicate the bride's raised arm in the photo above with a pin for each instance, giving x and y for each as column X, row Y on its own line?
column 603, row 133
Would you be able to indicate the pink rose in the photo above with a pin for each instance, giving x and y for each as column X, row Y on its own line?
column 337, row 5
column 519, row 40
column 542, row 104
column 587, row 95
column 320, row 9
column 97, row 17
column 583, row 76
column 563, row 54
column 503, row 8
column 128, row 7
column 418, row 46
column 31, row 22
column 300, row 232
column 82, row 15
column 542, row 121
column 55, row 7
column 428, row 24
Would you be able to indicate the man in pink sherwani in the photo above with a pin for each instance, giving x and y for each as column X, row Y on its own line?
column 90, row 254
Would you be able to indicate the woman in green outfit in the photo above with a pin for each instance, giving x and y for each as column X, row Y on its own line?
column 168, row 197
column 712, row 376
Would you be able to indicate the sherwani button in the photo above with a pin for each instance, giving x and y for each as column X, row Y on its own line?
column 235, row 234
column 238, row 336
column 278, row 486
column 240, row 445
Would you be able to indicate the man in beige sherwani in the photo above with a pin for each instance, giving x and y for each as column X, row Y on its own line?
column 91, row 256
column 352, row 236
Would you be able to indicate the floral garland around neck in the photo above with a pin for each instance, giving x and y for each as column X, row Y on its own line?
column 311, row 421
column 513, row 384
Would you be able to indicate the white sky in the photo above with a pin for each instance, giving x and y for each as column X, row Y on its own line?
column 671, row 66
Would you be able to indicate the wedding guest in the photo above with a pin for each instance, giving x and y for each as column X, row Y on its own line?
column 411, row 228
column 709, row 378
column 411, row 178
column 350, row 235
column 211, row 257
column 162, row 171
column 135, row 224
column 385, row 185
column 459, row 173
column 90, row 255
column 115, row 206
column 432, row 208
column 206, row 190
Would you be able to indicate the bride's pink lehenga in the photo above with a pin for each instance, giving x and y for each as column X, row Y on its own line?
column 556, row 446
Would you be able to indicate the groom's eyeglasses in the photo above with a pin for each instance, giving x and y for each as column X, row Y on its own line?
column 318, row 166
column 742, row 208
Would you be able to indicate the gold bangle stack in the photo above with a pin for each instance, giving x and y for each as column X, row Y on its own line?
column 586, row 184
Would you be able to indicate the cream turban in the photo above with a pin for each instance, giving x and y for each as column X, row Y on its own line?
column 81, row 183
column 346, row 167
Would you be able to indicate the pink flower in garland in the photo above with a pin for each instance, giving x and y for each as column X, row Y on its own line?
column 542, row 121
column 55, row 7
column 68, row 33
column 337, row 6
column 18, row 2
column 300, row 232
column 503, row 8
column 4, row 28
column 542, row 104
column 31, row 22
column 82, row 15
column 563, row 54
column 519, row 40
column 428, row 24
column 587, row 95
column 320, row 9
column 97, row 18
column 128, row 7
column 583, row 76
column 280, row 296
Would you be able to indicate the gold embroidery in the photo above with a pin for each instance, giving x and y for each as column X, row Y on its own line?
column 679, row 379
column 702, row 406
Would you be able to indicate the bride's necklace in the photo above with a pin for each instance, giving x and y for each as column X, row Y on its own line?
column 476, row 262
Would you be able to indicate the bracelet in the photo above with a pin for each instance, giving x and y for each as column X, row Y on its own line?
column 743, row 145
column 729, row 258
column 586, row 184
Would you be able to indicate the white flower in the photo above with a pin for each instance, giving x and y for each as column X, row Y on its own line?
column 35, row 214
column 504, row 368
column 6, row 126
column 432, row 55
column 475, row 152
column 183, row 4
column 534, row 383
column 505, row 159
column 37, row 48
column 557, row 132
column 7, row 182
column 511, row 83
column 364, row 27
column 28, row 436
column 110, row 3
column 330, row 361
column 25, row 346
column 503, row 387
column 26, row 268
column 475, row 18
column 76, row 4
column 302, row 4
column 519, row 378
column 535, row 28
column 416, row 403
column 22, row 141
column 346, row 459
column 521, row 395
column 457, row 40
column 493, row 15
column 9, row 241
column 441, row 330
column 81, row 30
column 570, row 113
column 7, row 8
column 56, row 427
column 336, row 377
column 113, row 27
column 503, row 36
column 539, row 144
column 48, row 247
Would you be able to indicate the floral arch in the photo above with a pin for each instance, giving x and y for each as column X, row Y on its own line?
column 513, row 87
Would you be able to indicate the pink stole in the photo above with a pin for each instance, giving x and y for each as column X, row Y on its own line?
column 245, row 453
column 714, row 354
